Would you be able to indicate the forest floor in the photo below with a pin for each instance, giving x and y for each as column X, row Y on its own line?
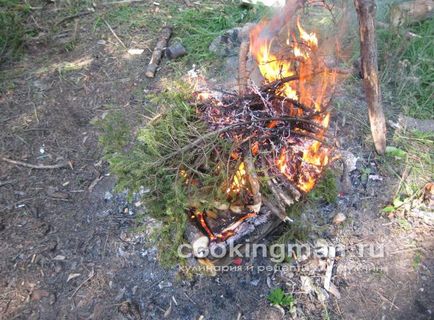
column 70, row 245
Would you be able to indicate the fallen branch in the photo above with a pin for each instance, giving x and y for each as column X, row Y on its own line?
column 165, row 34
column 74, row 16
column 114, row 33
column 36, row 166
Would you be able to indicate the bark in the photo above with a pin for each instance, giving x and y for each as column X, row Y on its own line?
column 368, row 51
column 165, row 34
column 411, row 12
column 242, row 68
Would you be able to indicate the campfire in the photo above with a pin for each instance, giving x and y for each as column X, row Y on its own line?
column 277, row 132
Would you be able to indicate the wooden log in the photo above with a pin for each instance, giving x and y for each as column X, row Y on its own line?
column 165, row 34
column 242, row 68
column 368, row 51
column 410, row 12
column 197, row 239
column 253, row 181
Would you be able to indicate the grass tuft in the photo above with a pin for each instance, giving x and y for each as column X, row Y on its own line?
column 13, row 14
column 407, row 68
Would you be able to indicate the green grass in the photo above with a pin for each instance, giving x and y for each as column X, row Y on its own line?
column 197, row 28
column 13, row 29
column 279, row 297
column 407, row 68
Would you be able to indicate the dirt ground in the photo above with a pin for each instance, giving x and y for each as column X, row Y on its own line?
column 68, row 245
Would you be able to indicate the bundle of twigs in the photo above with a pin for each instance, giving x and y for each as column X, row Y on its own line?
column 262, row 125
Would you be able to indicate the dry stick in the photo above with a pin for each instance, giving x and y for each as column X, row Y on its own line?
column 253, row 181
column 236, row 125
column 368, row 51
column 165, row 34
column 114, row 33
column 36, row 166
column 242, row 68
column 80, row 14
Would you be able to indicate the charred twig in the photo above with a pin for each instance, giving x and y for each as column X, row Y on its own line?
column 36, row 166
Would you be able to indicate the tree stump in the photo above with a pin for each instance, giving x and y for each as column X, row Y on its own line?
column 369, row 67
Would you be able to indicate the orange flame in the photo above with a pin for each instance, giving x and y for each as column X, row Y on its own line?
column 308, row 90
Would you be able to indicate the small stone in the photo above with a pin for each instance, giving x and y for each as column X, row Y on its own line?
column 307, row 285
column 321, row 247
column 164, row 284
column 339, row 218
column 255, row 282
column 38, row 294
column 226, row 44
column 108, row 196
column 135, row 51
column 51, row 298
column 101, row 42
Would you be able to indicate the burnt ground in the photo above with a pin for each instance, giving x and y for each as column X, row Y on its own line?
column 71, row 250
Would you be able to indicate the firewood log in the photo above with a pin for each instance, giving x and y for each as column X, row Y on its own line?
column 408, row 13
column 197, row 239
column 165, row 34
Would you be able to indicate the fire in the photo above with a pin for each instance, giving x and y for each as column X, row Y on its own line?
column 239, row 180
column 309, row 90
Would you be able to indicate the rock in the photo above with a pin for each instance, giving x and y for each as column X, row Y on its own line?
column 255, row 282
column 350, row 160
column 339, row 218
column 52, row 298
column 164, row 284
column 38, row 294
column 176, row 50
column 226, row 44
column 269, row 313
column 307, row 285
column 134, row 51
column 108, row 196
column 409, row 123
column 321, row 247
